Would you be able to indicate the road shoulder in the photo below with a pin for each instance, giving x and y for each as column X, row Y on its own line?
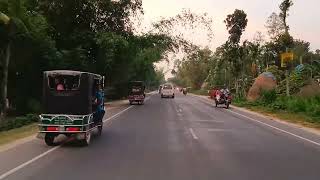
column 269, row 117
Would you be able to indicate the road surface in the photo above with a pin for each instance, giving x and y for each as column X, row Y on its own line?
column 185, row 138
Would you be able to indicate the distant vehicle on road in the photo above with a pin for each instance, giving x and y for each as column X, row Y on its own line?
column 222, row 96
column 160, row 89
column 167, row 91
column 136, row 92
column 185, row 91
column 73, row 105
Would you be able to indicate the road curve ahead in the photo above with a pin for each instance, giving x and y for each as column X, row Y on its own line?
column 185, row 138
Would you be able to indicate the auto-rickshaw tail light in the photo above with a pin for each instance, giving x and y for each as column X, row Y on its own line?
column 73, row 129
column 52, row 129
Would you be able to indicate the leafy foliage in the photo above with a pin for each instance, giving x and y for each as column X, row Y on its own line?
column 86, row 35
column 237, row 63
column 236, row 24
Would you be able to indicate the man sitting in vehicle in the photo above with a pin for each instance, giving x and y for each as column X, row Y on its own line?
column 59, row 85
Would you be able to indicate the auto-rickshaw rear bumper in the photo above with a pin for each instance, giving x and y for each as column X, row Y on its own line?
column 65, row 124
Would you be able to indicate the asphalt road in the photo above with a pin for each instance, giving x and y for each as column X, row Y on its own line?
column 171, row 139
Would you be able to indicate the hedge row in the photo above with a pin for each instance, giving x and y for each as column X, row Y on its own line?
column 12, row 123
column 307, row 106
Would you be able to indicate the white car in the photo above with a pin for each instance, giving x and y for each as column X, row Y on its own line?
column 167, row 91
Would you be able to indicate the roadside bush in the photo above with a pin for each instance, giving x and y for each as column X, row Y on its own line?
column 313, row 107
column 296, row 104
column 268, row 97
column 17, row 122
column 279, row 104
column 310, row 107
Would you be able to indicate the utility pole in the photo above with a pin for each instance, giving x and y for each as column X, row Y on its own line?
column 287, row 83
column 286, row 60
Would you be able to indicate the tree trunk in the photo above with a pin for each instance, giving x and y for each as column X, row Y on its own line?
column 237, row 87
column 4, row 81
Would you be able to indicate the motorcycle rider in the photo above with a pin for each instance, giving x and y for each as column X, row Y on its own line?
column 184, row 90
column 224, row 92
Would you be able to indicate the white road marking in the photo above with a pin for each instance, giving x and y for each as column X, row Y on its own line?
column 119, row 113
column 273, row 127
column 212, row 121
column 217, row 130
column 193, row 134
column 27, row 163
column 8, row 173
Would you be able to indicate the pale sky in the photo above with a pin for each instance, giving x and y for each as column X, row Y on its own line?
column 304, row 19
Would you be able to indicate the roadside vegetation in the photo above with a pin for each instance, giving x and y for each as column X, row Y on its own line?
column 296, row 109
column 252, row 69
column 102, row 37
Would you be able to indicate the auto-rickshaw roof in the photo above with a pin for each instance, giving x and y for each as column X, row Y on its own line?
column 136, row 83
column 70, row 72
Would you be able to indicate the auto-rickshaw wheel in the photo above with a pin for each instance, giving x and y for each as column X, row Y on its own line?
column 49, row 139
column 86, row 141
column 227, row 105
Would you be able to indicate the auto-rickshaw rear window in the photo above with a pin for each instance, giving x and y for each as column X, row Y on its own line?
column 167, row 86
column 64, row 82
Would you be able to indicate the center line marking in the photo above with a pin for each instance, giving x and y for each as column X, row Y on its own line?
column 217, row 130
column 213, row 121
column 193, row 134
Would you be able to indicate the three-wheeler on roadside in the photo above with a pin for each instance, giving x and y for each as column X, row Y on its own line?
column 73, row 105
column 136, row 92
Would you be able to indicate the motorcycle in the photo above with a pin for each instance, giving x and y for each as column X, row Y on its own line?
column 184, row 92
column 222, row 98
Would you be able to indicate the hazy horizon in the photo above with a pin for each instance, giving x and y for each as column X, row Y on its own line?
column 300, row 20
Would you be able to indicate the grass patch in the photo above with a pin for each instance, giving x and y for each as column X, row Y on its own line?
column 288, row 109
column 18, row 133
column 200, row 92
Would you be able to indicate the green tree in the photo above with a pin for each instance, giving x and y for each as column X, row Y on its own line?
column 274, row 26
column 13, row 30
column 284, row 8
column 236, row 24
column 194, row 69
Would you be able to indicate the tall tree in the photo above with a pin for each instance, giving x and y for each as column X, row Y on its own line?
column 284, row 8
column 236, row 24
column 274, row 26
column 13, row 27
